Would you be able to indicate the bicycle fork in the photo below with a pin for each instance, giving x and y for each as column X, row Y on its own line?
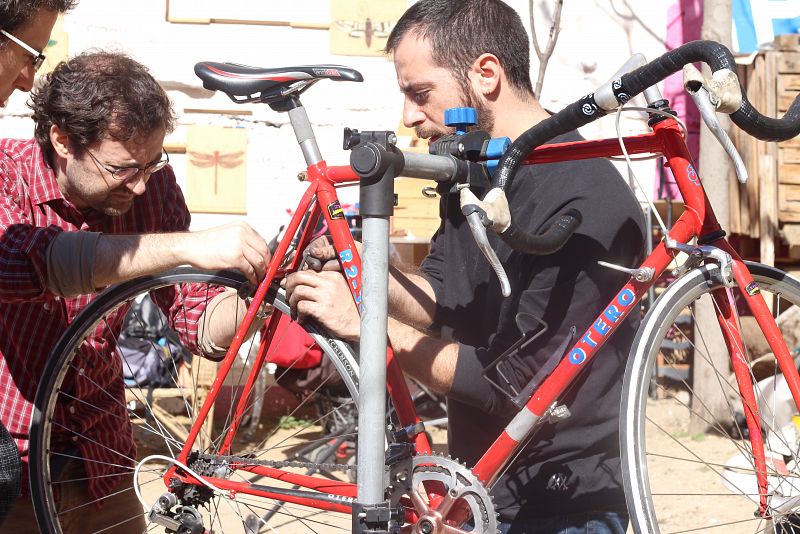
column 725, row 308
column 733, row 272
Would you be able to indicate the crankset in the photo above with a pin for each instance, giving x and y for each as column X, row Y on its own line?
column 462, row 489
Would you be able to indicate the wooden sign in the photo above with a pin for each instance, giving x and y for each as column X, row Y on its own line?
column 216, row 170
column 313, row 14
column 361, row 27
column 57, row 48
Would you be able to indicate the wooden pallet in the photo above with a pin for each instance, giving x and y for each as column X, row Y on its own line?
column 771, row 198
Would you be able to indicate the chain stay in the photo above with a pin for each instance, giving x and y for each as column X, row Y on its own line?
column 278, row 464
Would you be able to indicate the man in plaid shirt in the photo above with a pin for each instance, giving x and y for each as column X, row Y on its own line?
column 88, row 203
column 25, row 28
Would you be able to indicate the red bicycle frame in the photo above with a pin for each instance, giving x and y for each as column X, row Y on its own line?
column 320, row 199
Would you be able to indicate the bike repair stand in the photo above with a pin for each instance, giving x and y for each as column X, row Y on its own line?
column 378, row 162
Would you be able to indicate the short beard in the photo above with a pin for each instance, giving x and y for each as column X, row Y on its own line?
column 484, row 114
column 96, row 199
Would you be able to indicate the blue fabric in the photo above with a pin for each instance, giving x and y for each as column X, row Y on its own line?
column 757, row 22
column 745, row 29
column 784, row 26
column 595, row 523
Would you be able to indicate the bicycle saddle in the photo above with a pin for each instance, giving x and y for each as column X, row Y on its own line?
column 241, row 80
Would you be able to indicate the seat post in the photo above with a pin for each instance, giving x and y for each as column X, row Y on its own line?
column 304, row 134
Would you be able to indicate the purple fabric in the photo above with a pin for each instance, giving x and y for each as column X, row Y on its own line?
column 684, row 22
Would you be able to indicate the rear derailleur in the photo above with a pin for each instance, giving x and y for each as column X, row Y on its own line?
column 181, row 520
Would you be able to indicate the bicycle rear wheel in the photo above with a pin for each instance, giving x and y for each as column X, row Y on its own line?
column 314, row 424
column 686, row 457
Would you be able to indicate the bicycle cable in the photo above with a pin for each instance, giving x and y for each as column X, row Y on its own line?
column 628, row 161
column 146, row 459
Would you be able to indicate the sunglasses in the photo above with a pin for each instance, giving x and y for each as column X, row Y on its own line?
column 38, row 57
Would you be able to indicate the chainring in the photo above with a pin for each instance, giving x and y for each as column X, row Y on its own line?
column 461, row 486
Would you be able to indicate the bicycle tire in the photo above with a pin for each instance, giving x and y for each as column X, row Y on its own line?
column 94, row 317
column 678, row 478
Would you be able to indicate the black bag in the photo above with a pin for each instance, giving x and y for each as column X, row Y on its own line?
column 149, row 363
column 145, row 320
column 149, row 348
column 10, row 472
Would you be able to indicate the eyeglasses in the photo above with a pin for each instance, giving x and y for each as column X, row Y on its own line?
column 125, row 174
column 38, row 57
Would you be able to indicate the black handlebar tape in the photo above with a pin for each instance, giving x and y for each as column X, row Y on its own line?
column 717, row 57
column 631, row 84
column 573, row 116
column 549, row 241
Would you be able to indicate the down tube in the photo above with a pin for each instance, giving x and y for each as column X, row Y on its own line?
column 603, row 327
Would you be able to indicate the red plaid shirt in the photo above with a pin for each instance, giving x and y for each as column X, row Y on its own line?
column 32, row 213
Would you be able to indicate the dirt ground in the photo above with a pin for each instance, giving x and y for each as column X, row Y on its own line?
column 676, row 514
column 289, row 519
column 683, row 486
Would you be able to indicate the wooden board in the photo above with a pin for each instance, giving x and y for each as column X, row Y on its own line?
column 216, row 173
column 314, row 14
column 789, row 62
column 771, row 198
column 788, row 155
column 415, row 214
column 361, row 27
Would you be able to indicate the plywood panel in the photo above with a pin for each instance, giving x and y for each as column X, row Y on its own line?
column 789, row 155
column 789, row 174
column 216, row 174
column 57, row 48
column 361, row 27
column 788, row 62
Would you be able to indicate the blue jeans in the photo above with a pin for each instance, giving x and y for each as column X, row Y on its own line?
column 594, row 523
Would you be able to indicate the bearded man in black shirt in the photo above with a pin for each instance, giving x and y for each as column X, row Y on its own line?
column 449, row 320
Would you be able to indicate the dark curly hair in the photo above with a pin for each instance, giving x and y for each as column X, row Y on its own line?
column 97, row 95
column 17, row 13
column 460, row 31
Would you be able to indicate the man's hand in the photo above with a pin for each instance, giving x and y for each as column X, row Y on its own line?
column 233, row 246
column 320, row 255
column 325, row 297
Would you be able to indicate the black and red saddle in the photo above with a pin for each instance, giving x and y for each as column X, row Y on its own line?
column 243, row 81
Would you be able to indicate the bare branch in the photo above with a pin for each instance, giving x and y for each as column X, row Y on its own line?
column 544, row 56
column 633, row 16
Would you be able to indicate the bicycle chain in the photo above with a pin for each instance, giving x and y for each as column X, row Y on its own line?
column 220, row 460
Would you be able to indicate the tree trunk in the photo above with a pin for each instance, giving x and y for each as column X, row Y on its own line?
column 714, row 170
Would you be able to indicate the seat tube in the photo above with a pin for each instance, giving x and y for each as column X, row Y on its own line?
column 305, row 134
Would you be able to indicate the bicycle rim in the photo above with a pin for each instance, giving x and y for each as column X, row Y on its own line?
column 687, row 459
column 314, row 424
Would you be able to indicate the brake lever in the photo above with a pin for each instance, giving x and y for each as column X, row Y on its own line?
column 491, row 212
column 708, row 112
column 479, row 233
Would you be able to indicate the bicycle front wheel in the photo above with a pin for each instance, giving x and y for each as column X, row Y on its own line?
column 309, row 421
column 686, row 458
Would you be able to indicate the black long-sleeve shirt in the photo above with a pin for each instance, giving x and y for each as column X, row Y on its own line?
column 573, row 465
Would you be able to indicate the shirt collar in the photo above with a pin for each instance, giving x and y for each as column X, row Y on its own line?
column 44, row 186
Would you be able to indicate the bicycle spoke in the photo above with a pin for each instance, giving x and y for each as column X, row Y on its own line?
column 696, row 432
